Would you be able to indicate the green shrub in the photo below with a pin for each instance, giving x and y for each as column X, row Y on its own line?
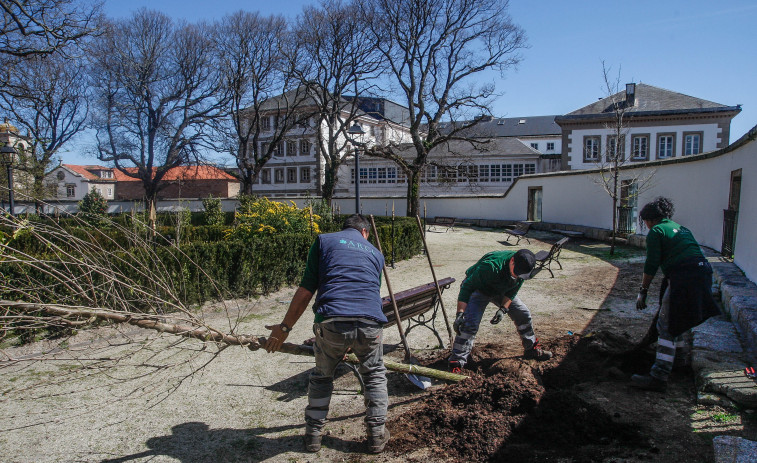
column 213, row 211
column 93, row 207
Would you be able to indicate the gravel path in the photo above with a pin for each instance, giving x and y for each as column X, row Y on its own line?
column 198, row 404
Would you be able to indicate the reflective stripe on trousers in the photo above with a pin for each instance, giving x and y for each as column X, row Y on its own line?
column 332, row 339
column 474, row 312
column 668, row 347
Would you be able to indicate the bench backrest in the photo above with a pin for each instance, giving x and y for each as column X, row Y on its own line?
column 414, row 301
column 522, row 226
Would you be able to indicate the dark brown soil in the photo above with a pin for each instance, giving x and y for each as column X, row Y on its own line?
column 526, row 411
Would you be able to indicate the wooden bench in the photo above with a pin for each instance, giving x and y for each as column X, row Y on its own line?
column 520, row 231
column 447, row 222
column 414, row 305
column 544, row 259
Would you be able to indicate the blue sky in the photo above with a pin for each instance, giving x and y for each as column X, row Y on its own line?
column 700, row 48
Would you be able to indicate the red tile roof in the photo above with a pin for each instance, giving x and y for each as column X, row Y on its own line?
column 86, row 171
column 181, row 173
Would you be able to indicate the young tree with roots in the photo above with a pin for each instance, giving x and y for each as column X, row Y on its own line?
column 48, row 97
column 157, row 87
column 335, row 65
column 259, row 82
column 622, row 185
column 436, row 53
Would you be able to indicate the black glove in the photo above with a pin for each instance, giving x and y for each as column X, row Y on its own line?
column 641, row 299
column 499, row 315
column 459, row 320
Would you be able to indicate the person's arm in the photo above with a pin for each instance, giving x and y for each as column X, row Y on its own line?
column 297, row 307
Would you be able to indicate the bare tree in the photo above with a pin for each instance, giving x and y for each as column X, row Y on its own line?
column 622, row 185
column 41, row 27
column 47, row 97
column 436, row 52
column 259, row 82
column 336, row 64
column 157, row 87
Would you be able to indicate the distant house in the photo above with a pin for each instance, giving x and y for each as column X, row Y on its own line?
column 73, row 182
column 658, row 124
column 180, row 182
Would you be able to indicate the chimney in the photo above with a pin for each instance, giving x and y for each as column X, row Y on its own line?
column 630, row 94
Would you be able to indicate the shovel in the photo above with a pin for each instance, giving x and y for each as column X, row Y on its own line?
column 420, row 381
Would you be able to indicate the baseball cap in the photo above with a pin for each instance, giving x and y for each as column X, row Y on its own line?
column 524, row 263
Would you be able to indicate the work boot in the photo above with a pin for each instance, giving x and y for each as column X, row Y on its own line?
column 648, row 383
column 537, row 352
column 377, row 439
column 454, row 367
column 312, row 442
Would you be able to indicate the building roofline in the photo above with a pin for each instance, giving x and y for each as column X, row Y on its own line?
column 638, row 114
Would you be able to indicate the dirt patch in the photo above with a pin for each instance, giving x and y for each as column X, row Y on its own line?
column 517, row 410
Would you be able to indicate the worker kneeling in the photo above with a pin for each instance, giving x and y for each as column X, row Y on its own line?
column 495, row 278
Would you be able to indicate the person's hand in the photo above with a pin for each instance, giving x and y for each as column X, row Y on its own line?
column 276, row 339
column 499, row 315
column 459, row 320
column 641, row 299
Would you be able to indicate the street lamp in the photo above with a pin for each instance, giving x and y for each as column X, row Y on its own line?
column 358, row 131
column 8, row 154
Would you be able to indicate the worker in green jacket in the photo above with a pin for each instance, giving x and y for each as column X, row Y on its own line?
column 495, row 278
column 686, row 292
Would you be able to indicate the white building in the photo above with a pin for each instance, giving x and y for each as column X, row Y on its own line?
column 658, row 124
column 73, row 182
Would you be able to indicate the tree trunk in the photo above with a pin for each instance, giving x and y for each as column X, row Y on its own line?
column 413, row 194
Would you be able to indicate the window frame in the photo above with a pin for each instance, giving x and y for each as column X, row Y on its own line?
column 305, row 175
column 639, row 136
column 305, row 147
column 70, row 190
column 596, row 139
column 700, row 134
column 672, row 137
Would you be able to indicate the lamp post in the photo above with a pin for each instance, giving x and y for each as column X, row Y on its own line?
column 8, row 154
column 358, row 131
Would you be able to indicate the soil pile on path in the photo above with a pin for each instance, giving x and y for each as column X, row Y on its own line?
column 511, row 408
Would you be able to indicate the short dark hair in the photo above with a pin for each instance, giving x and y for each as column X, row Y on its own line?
column 660, row 208
column 358, row 222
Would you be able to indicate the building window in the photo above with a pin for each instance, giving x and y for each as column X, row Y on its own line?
column 550, row 146
column 615, row 149
column 265, row 176
column 535, row 146
column 291, row 148
column 264, row 148
column 391, row 175
column 265, row 123
column 291, row 175
column 640, row 147
column 428, row 174
column 692, row 143
column 483, row 173
column 278, row 175
column 106, row 174
column 591, row 149
column 110, row 192
column 665, row 147
column 70, row 190
column 304, row 147
column 382, row 174
column 305, row 175
column 530, row 169
column 276, row 149
column 495, row 172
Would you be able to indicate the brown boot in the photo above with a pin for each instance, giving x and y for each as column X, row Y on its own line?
column 536, row 352
column 377, row 439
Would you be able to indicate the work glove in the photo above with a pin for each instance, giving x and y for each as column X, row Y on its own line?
column 459, row 320
column 499, row 315
column 641, row 299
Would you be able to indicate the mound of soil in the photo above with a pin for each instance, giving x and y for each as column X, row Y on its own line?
column 517, row 410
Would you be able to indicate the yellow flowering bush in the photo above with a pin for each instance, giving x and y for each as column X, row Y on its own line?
column 261, row 216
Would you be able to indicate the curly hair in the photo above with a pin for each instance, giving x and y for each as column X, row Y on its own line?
column 660, row 208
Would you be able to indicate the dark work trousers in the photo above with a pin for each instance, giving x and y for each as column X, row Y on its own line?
column 332, row 339
column 669, row 348
column 474, row 312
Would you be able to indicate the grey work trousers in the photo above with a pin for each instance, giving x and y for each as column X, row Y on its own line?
column 332, row 339
column 474, row 312
column 669, row 348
